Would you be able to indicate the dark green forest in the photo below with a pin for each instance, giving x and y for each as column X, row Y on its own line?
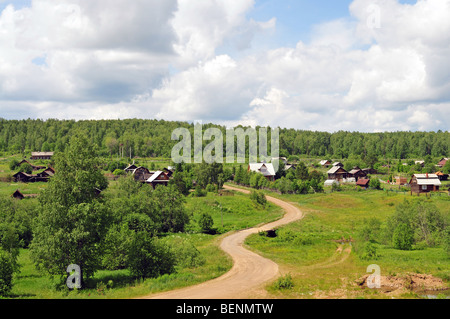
column 152, row 138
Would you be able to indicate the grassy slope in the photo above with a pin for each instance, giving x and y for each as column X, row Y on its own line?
column 330, row 217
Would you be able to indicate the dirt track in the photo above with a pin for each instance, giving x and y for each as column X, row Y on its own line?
column 249, row 272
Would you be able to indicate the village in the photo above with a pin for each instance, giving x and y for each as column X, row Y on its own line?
column 333, row 176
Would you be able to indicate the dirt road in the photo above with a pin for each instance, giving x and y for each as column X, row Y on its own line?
column 249, row 272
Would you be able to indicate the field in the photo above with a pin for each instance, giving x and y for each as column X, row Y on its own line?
column 238, row 211
column 318, row 252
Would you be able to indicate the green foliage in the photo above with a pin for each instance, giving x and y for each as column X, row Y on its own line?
column 6, row 272
column 13, row 164
column 116, row 246
column 205, row 222
column 374, row 183
column 72, row 221
column 369, row 252
column 199, row 191
column 118, row 172
column 149, row 258
column 187, row 255
column 403, row 237
column 26, row 168
column 284, row 282
column 258, row 198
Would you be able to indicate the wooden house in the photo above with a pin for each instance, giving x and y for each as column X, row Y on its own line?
column 363, row 182
column 141, row 174
column 337, row 173
column 35, row 167
column 357, row 173
column 23, row 177
column 400, row 180
column 338, row 164
column 442, row 176
column 265, row 169
column 325, row 163
column 158, row 178
column 369, row 171
column 18, row 195
column 424, row 183
column 130, row 168
column 41, row 155
column 442, row 162
column 169, row 171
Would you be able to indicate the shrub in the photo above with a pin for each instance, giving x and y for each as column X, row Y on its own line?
column 210, row 188
column 119, row 171
column 369, row 252
column 199, row 192
column 375, row 183
column 188, row 256
column 284, row 282
column 403, row 237
column 258, row 198
column 6, row 272
column 205, row 222
column 149, row 258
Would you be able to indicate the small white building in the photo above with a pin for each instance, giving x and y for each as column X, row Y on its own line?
column 263, row 168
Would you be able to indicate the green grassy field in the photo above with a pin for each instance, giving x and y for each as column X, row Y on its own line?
column 318, row 253
column 238, row 211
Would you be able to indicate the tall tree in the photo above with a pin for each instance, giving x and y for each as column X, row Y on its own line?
column 72, row 219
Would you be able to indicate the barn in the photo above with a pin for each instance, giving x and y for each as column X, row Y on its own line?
column 158, row 178
column 337, row 173
column 41, row 155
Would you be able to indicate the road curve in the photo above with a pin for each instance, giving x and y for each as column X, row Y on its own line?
column 249, row 270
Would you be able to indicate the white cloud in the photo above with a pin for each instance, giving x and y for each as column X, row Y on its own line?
column 177, row 60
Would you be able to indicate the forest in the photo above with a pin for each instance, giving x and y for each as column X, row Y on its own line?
column 152, row 138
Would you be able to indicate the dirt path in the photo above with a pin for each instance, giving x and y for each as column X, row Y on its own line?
column 249, row 272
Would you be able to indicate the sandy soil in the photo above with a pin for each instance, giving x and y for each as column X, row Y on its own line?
column 249, row 272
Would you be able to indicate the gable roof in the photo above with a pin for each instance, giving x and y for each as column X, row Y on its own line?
column 334, row 170
column 264, row 168
column 427, row 179
column 363, row 182
column 154, row 177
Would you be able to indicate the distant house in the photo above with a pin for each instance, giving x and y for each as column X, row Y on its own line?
column 369, row 171
column 31, row 178
column 158, row 178
column 337, row 173
column 338, row 164
column 22, row 177
column 424, row 183
column 130, row 168
column 421, row 163
column 141, row 174
column 288, row 167
column 325, row 163
column 283, row 159
column 442, row 176
column 401, row 180
column 265, row 169
column 169, row 170
column 363, row 182
column 442, row 162
column 357, row 173
column 35, row 167
column 18, row 195
column 330, row 182
column 41, row 155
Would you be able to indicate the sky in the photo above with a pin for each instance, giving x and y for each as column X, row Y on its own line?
column 325, row 65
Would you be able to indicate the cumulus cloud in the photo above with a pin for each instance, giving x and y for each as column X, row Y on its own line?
column 385, row 67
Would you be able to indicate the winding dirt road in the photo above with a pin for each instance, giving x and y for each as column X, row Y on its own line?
column 249, row 272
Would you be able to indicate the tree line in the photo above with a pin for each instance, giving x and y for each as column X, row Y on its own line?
column 152, row 138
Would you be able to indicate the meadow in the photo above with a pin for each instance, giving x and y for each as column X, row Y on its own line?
column 319, row 254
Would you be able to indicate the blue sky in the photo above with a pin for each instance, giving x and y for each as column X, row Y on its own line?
column 316, row 65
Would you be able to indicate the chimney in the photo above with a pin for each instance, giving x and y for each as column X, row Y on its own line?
column 427, row 175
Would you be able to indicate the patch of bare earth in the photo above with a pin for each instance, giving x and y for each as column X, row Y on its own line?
column 405, row 283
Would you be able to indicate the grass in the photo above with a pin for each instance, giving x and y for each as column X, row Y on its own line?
column 238, row 211
column 320, row 263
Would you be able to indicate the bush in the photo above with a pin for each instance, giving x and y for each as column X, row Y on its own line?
column 403, row 237
column 13, row 164
column 188, row 256
column 284, row 282
column 369, row 252
column 6, row 272
column 118, row 172
column 375, row 183
column 205, row 223
column 258, row 198
column 149, row 258
column 211, row 188
column 199, row 191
